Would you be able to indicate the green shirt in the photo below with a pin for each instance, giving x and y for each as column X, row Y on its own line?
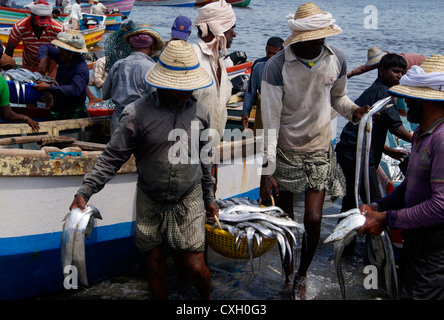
column 4, row 92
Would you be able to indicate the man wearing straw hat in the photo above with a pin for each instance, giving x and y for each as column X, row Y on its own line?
column 417, row 205
column 300, row 85
column 215, row 24
column 374, row 55
column 72, row 75
column 173, row 197
column 125, row 81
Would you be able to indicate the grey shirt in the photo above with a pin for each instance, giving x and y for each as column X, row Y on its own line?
column 125, row 82
column 165, row 143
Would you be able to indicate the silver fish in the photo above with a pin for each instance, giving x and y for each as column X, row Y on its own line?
column 342, row 214
column 248, row 208
column 391, row 279
column 260, row 216
column 346, row 226
column 78, row 225
column 363, row 126
column 338, row 249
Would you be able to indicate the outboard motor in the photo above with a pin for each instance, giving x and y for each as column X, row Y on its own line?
column 238, row 57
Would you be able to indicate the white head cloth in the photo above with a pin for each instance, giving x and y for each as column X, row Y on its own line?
column 315, row 22
column 216, row 17
column 40, row 9
column 417, row 77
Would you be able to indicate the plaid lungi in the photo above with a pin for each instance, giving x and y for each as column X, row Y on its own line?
column 297, row 172
column 181, row 224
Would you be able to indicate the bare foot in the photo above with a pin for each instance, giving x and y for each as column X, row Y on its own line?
column 299, row 287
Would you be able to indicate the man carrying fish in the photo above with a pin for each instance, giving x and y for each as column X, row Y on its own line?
column 172, row 197
column 300, row 85
column 417, row 205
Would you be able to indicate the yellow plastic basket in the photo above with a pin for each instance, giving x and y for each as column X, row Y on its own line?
column 223, row 243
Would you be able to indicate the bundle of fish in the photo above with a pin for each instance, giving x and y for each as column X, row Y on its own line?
column 346, row 230
column 20, row 77
column 245, row 219
column 78, row 225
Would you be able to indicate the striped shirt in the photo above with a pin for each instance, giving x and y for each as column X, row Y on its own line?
column 22, row 31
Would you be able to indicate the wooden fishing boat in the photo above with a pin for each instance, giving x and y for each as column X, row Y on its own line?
column 39, row 177
column 235, row 3
column 171, row 3
column 10, row 15
column 92, row 36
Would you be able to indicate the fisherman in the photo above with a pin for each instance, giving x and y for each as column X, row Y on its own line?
column 302, row 158
column 215, row 24
column 98, row 8
column 125, row 81
column 390, row 70
column 172, row 198
column 417, row 206
column 72, row 75
column 33, row 31
column 252, row 95
column 75, row 16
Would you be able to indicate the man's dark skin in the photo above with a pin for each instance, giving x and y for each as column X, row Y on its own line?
column 10, row 47
column 314, row 200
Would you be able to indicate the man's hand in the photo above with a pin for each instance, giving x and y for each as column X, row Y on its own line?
column 211, row 210
column 268, row 184
column 245, row 118
column 41, row 86
column 358, row 113
column 78, row 202
column 375, row 222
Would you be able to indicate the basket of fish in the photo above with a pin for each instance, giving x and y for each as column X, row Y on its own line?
column 21, row 82
column 246, row 230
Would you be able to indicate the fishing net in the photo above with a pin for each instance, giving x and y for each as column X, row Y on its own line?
column 115, row 47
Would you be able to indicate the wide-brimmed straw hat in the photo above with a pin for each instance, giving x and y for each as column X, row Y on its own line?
column 433, row 63
column 71, row 40
column 178, row 68
column 305, row 11
column 146, row 29
column 374, row 55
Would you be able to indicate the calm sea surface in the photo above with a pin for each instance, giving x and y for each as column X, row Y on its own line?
column 397, row 26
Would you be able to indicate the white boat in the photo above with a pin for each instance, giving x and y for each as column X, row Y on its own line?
column 37, row 187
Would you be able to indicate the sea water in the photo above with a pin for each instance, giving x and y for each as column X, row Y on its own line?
column 398, row 26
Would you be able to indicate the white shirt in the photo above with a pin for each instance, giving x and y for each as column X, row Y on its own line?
column 98, row 9
column 76, row 12
column 216, row 96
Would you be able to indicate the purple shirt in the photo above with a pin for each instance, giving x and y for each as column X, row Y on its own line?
column 419, row 201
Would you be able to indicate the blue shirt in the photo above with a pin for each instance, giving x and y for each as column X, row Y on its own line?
column 254, row 85
column 72, row 79
column 389, row 120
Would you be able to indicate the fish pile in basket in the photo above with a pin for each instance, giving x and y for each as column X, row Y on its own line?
column 243, row 218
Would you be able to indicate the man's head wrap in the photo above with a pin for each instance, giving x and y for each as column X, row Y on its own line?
column 141, row 41
column 41, row 8
column 217, row 18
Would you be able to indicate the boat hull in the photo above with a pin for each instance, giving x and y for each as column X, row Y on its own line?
column 171, row 3
column 36, row 190
column 235, row 3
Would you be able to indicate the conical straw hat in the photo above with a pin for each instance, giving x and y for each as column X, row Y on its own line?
column 304, row 11
column 178, row 68
column 71, row 40
column 433, row 63
column 374, row 55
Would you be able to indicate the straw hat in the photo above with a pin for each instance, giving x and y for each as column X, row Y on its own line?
column 146, row 29
column 304, row 11
column 433, row 63
column 374, row 55
column 71, row 40
column 178, row 68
